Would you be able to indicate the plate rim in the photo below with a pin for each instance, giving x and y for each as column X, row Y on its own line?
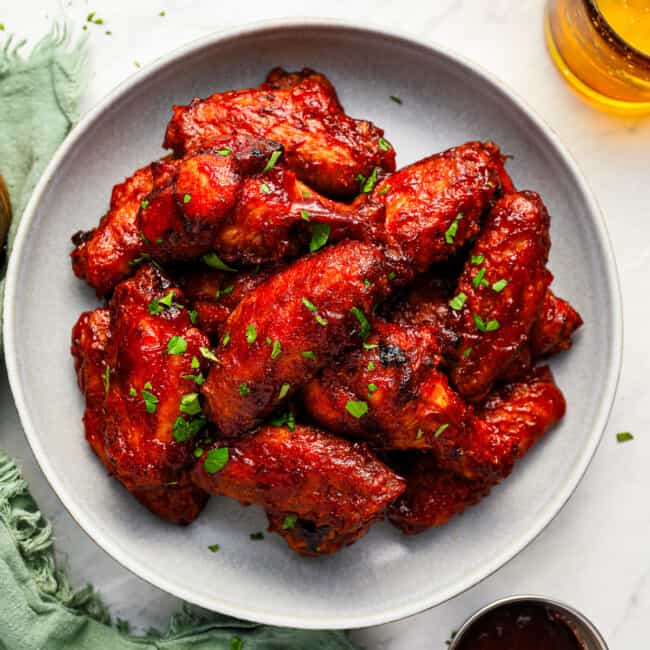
column 381, row 615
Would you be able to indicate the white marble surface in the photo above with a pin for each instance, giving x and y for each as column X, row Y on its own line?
column 596, row 553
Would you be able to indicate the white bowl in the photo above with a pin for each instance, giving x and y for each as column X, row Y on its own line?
column 446, row 101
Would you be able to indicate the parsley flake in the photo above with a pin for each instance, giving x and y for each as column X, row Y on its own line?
column 244, row 389
column 320, row 233
column 225, row 151
column 196, row 364
column 213, row 548
column 215, row 460
column 370, row 182
column 457, row 302
column 190, row 404
column 467, row 351
column 133, row 392
column 276, row 350
column 440, row 430
column 187, row 198
column 304, row 215
column 289, row 522
column 224, row 292
column 176, row 345
column 271, row 161
column 284, row 389
column 356, row 408
column 308, row 354
column 371, row 365
column 482, row 326
column 364, row 325
column 255, row 537
column 150, row 400
column 479, row 278
column 384, row 145
column 265, row 188
column 251, row 334
column 144, row 204
column 478, row 259
column 419, row 434
column 226, row 339
column 310, row 305
column 624, row 436
column 499, row 285
column 288, row 419
column 450, row 233
column 207, row 353
column 372, row 388
column 183, row 430
column 215, row 262
column 396, row 99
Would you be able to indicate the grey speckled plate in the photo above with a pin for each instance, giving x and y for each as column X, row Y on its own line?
column 446, row 101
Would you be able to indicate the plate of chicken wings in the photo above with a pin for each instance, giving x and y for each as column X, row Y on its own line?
column 332, row 297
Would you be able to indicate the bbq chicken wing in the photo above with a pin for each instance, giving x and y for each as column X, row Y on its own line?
column 522, row 411
column 104, row 255
column 326, row 149
column 137, row 365
column 309, row 479
column 288, row 328
column 432, row 207
column 500, row 292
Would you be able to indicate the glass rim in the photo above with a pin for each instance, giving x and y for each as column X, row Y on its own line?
column 618, row 41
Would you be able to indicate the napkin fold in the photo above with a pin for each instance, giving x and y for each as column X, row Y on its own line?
column 39, row 608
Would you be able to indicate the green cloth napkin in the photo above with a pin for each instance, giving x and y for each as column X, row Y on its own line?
column 39, row 609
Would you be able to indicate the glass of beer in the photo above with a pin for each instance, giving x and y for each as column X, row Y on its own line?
column 602, row 48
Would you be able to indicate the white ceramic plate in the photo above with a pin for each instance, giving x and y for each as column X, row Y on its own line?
column 446, row 101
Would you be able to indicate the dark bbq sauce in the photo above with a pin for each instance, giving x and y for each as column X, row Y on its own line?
column 520, row 627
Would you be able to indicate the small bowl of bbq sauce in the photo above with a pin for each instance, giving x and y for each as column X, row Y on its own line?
column 528, row 623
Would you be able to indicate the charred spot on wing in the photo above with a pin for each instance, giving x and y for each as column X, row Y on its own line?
column 311, row 534
column 81, row 236
column 391, row 355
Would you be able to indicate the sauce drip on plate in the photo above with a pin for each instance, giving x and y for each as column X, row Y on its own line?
column 520, row 626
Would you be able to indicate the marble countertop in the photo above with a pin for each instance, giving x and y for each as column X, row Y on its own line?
column 595, row 555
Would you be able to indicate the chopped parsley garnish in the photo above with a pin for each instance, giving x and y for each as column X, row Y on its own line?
column 268, row 340
column 370, row 346
column 276, row 350
column 207, row 353
column 384, row 189
column 148, row 386
column 320, row 233
column 143, row 257
column 244, row 389
column 467, row 351
column 396, row 99
column 106, row 378
column 190, row 404
column 304, row 215
column 271, row 161
column 150, row 400
column 251, row 334
column 320, row 320
column 176, row 345
column 224, row 292
column 215, row 460
column 255, row 537
column 215, row 262
column 308, row 354
column 288, row 419
column 162, row 14
column 419, row 434
column 310, row 305
column 450, row 233
column 440, row 430
column 289, row 522
column 284, row 389
column 187, row 198
column 196, row 364
column 482, row 326
column 478, row 259
column 225, row 151
column 213, row 548
column 370, row 182
column 226, row 339
column 457, row 302
column 384, row 145
column 265, row 188
column 137, row 64
column 144, row 204
column 489, row 184
column 183, row 430
column 624, row 436
column 199, row 379
column 356, row 408
column 391, row 276
column 499, row 285
column 305, row 194
column 367, row 282
column 133, row 392
column 198, row 452
column 372, row 388
column 364, row 325
column 371, row 365
column 192, row 313
column 158, row 305
column 479, row 278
